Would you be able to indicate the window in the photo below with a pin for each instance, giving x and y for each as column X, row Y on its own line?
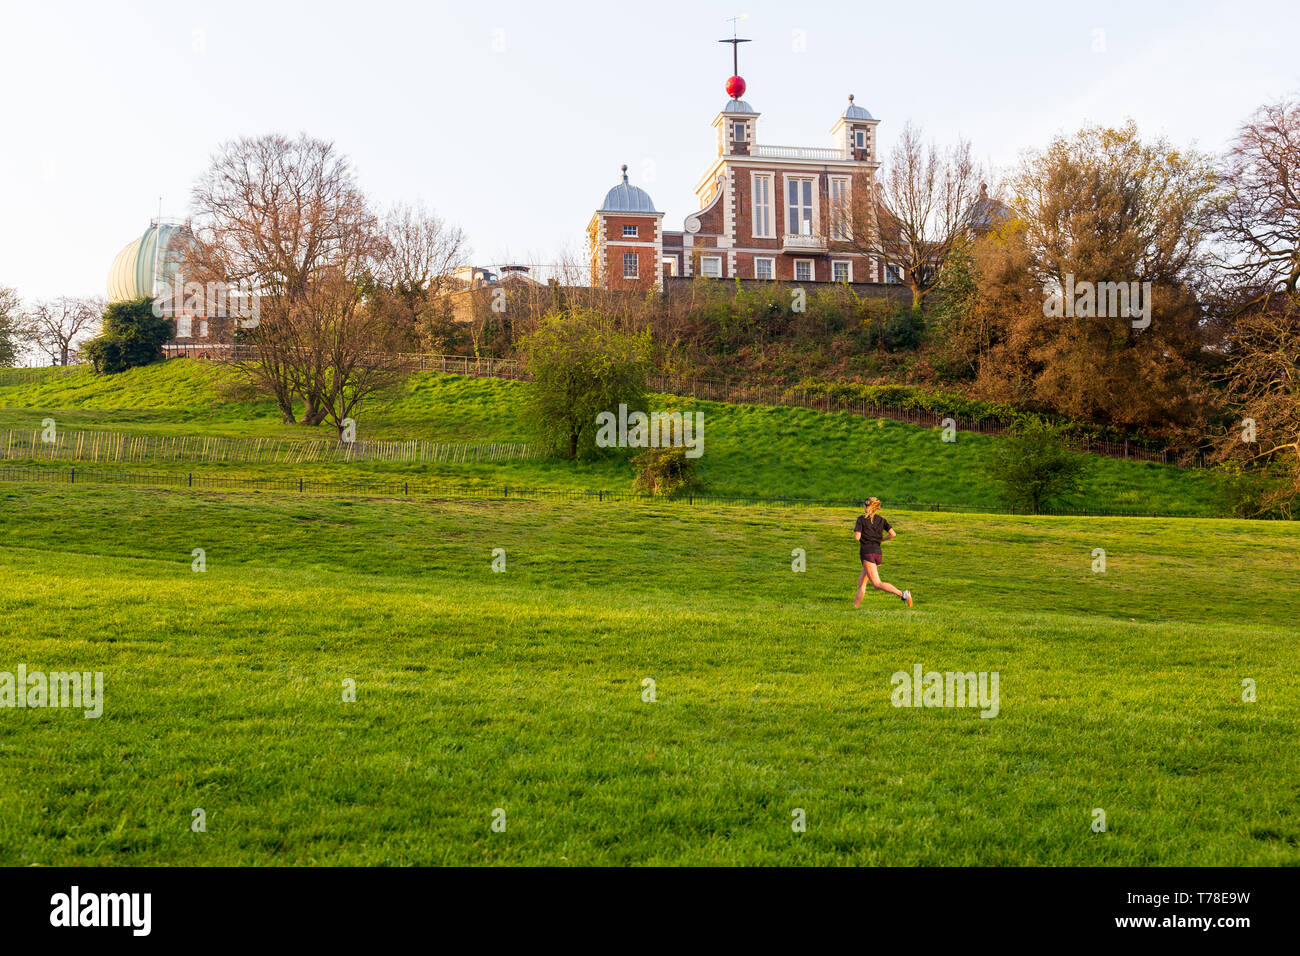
column 799, row 207
column 842, row 271
column 711, row 267
column 803, row 270
column 738, row 132
column 629, row 230
column 630, row 262
column 892, row 275
column 764, row 268
column 860, row 138
column 762, row 206
column 670, row 265
column 841, row 208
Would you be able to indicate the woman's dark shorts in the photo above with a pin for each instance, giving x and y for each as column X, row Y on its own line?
column 876, row 559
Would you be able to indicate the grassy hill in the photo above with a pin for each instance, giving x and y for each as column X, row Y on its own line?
column 749, row 450
column 523, row 690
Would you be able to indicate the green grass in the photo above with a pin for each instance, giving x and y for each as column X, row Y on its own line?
column 523, row 690
column 750, row 451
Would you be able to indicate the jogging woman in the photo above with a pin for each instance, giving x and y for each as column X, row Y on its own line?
column 870, row 530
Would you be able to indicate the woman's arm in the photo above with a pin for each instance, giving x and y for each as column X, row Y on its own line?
column 857, row 536
column 892, row 534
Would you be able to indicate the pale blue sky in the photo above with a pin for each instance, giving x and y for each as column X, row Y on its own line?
column 512, row 119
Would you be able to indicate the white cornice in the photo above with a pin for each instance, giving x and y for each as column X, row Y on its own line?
column 801, row 165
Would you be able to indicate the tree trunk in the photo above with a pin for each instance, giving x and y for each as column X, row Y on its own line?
column 573, row 445
column 313, row 413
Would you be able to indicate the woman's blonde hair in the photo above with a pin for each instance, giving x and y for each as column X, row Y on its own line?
column 873, row 505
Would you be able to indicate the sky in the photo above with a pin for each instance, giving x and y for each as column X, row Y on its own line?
column 511, row 119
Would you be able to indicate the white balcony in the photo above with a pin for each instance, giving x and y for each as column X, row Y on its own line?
column 815, row 154
column 804, row 243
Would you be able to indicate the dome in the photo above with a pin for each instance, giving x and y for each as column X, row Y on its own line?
column 627, row 198
column 856, row 112
column 737, row 106
column 134, row 269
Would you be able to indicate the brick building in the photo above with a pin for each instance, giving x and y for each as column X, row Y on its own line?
column 625, row 239
column 765, row 211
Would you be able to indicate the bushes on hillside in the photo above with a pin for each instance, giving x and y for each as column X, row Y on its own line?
column 664, row 471
column 911, row 398
column 130, row 336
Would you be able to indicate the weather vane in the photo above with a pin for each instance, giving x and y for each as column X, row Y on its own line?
column 735, row 85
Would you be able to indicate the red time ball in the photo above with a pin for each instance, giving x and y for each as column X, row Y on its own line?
column 736, row 87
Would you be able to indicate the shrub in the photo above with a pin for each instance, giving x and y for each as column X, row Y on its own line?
column 664, row 471
column 131, row 336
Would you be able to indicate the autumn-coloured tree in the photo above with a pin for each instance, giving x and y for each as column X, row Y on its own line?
column 1102, row 206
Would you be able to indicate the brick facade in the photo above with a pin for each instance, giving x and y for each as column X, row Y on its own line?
column 768, row 211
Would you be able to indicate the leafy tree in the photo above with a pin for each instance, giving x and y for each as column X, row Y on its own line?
column 1035, row 465
column 131, row 336
column 582, row 366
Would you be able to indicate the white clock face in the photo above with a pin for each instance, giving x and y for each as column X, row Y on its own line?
column 692, row 225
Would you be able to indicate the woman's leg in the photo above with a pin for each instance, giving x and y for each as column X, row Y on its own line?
column 862, row 585
column 878, row 584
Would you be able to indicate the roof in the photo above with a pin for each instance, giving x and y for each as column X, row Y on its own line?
column 738, row 106
column 152, row 259
column 627, row 198
column 856, row 112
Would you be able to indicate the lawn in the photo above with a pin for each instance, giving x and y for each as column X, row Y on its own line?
column 522, row 691
column 752, row 451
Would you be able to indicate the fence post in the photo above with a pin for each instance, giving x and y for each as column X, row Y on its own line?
column 73, row 480
column 191, row 479
column 300, row 484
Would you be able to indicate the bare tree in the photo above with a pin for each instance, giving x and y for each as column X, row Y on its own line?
column 1263, row 373
column 1258, row 302
column 56, row 326
column 12, row 325
column 926, row 201
column 419, row 255
column 280, row 214
column 1260, row 225
column 354, row 347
